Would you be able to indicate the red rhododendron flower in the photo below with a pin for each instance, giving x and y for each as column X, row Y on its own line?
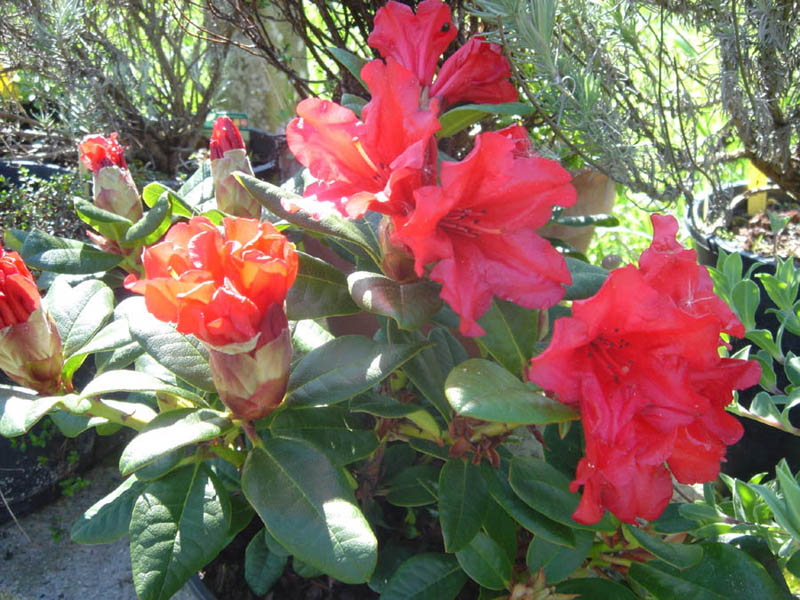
column 98, row 151
column 477, row 72
column 370, row 164
column 224, row 136
column 640, row 361
column 228, row 154
column 478, row 227
column 218, row 286
column 30, row 345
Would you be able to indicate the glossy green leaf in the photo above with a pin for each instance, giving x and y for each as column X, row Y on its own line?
column 350, row 61
column 199, row 188
column 723, row 574
column 170, row 431
column 60, row 255
column 463, row 499
column 414, row 486
column 558, row 562
column 389, row 408
column 782, row 293
column 308, row 506
column 262, row 569
column 484, row 390
column 501, row 527
column 411, row 305
column 14, row 239
column 154, row 224
column 79, row 312
column 393, row 554
column 343, row 368
column 679, row 556
column 425, row 577
column 546, row 489
column 154, row 191
column 461, row 117
column 320, row 290
column 271, row 196
column 790, row 491
column 341, row 435
column 586, row 279
column 183, row 355
column 485, row 562
column 108, row 224
column 763, row 338
column 745, row 296
column 21, row 408
column 178, row 525
column 533, row 521
column 135, row 381
column 511, row 334
column 595, row 588
column 109, row 518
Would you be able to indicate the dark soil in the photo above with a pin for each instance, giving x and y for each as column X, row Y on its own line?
column 754, row 233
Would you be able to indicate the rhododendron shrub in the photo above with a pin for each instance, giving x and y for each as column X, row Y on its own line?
column 384, row 348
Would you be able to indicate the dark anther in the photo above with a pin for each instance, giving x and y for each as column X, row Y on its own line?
column 445, row 27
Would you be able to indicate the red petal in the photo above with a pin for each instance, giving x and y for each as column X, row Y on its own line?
column 224, row 136
column 98, row 151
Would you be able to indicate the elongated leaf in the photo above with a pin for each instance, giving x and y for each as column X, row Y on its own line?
column 134, row 381
column 343, row 368
column 262, row 568
column 484, row 390
column 746, row 296
column 546, row 489
column 320, row 290
column 597, row 220
column 425, row 577
column 586, row 279
column 79, row 312
column 485, row 562
column 149, row 229
column 341, row 435
column 723, row 574
column 352, row 62
column 511, row 334
column 307, row 505
column 414, row 486
column 790, row 491
column 14, row 239
column 181, row 354
column 558, row 562
column 61, row 255
column 170, row 431
column 679, row 556
column 178, row 525
column 21, row 408
column 533, row 521
column 109, row 224
column 463, row 499
column 270, row 196
column 411, row 305
column 109, row 519
column 461, row 117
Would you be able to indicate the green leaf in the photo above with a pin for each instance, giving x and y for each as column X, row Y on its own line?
column 763, row 338
column 79, row 312
column 410, row 304
column 425, row 577
column 463, row 499
column 154, row 191
column 558, row 562
column 320, row 290
column 389, row 408
column 21, row 408
column 109, row 224
column 511, row 334
column 586, row 279
column 596, row 220
column 780, row 292
column 181, row 354
column 724, row 573
column 262, row 569
column 745, row 296
column 308, row 506
column 461, row 117
column 108, row 519
column 791, row 492
column 533, row 521
column 595, row 588
column 199, row 188
column 341, row 435
column 679, row 556
column 349, row 61
column 484, row 390
column 170, row 431
column 501, row 527
column 60, row 255
column 14, row 239
column 149, row 229
column 178, row 525
column 270, row 196
column 343, row 368
column 393, row 553
column 546, row 489
column 428, row 370
column 135, row 381
column 486, row 562
column 414, row 486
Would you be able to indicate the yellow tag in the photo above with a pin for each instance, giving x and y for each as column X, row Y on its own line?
column 756, row 203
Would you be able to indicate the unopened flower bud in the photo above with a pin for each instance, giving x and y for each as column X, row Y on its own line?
column 228, row 154
column 396, row 262
column 114, row 189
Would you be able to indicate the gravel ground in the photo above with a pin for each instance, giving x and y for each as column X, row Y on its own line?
column 50, row 566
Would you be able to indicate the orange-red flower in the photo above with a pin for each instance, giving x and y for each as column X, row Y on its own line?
column 476, row 72
column 218, row 285
column 478, row 227
column 228, row 154
column 98, row 151
column 640, row 359
column 30, row 346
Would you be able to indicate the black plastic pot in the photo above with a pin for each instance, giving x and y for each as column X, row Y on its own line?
column 762, row 446
column 10, row 171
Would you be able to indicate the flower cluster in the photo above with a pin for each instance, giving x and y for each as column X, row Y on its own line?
column 228, row 289
column 467, row 224
column 640, row 360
